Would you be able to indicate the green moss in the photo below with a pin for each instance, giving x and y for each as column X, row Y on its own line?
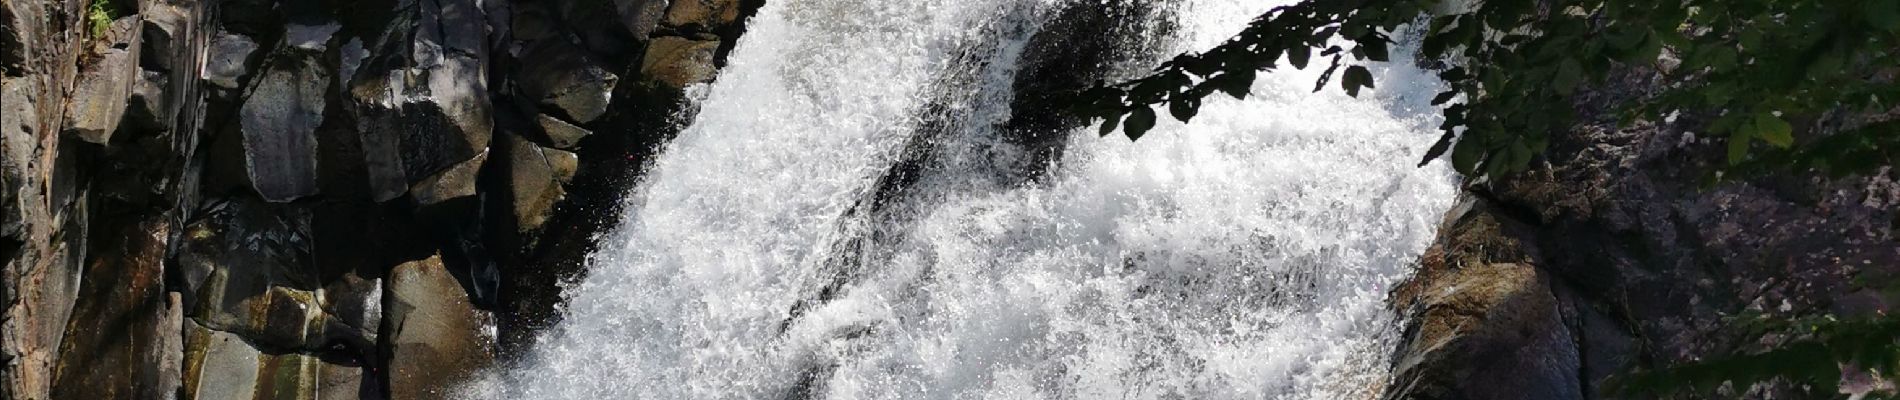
column 100, row 15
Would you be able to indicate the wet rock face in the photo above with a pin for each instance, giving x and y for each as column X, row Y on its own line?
column 123, row 329
column 99, row 101
column 294, row 199
column 677, row 62
column 435, row 337
column 564, row 79
column 420, row 98
column 279, row 122
column 1484, row 310
column 1644, row 264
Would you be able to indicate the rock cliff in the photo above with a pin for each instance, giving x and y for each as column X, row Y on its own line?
column 1611, row 254
column 304, row 199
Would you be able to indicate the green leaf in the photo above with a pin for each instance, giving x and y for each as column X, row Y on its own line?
column 1184, row 109
column 1467, row 153
column 1356, row 77
column 1139, row 121
column 1774, row 130
column 1375, row 49
column 1438, row 149
column 1445, row 97
column 1882, row 14
column 1234, row 83
column 1109, row 124
column 1569, row 74
column 1738, row 145
column 1298, row 55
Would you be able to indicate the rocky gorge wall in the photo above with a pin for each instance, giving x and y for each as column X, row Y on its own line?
column 304, row 199
column 1611, row 254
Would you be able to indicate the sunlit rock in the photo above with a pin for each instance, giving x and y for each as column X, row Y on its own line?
column 678, row 62
column 104, row 85
column 435, row 338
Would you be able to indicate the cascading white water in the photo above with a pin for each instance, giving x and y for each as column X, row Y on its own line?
column 1246, row 255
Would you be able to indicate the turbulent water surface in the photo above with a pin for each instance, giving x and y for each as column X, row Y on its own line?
column 1246, row 255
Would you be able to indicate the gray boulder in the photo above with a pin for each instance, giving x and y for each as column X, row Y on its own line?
column 219, row 365
column 103, row 87
column 421, row 97
column 560, row 134
column 248, row 268
column 435, row 338
column 228, row 60
column 701, row 15
column 146, row 110
column 1485, row 324
column 536, row 176
column 279, row 123
column 457, row 182
column 561, row 77
column 677, row 62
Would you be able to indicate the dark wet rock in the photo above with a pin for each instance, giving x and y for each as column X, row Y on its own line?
column 701, row 15
column 560, row 134
column 457, row 182
column 43, row 213
column 677, row 62
column 1646, row 264
column 277, row 136
column 435, row 338
column 308, row 37
column 218, row 365
column 562, row 78
column 344, row 382
column 117, row 342
column 99, row 99
column 536, row 181
column 1487, row 324
column 421, row 99
column 229, row 60
column 248, row 268
column 610, row 28
column 147, row 110
column 279, row 122
column 164, row 32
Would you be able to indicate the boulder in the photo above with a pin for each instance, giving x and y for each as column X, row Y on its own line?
column 103, row 87
column 564, row 79
column 701, row 15
column 560, row 134
column 1484, row 323
column 421, row 97
column 146, row 109
column 535, row 180
column 610, row 28
column 165, row 25
column 218, row 365
column 221, row 365
column 289, row 376
column 344, row 382
column 279, row 123
column 677, row 62
column 247, row 267
column 310, row 37
column 228, row 60
column 457, row 182
column 435, row 338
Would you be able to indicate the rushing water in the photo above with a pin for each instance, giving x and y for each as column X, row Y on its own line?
column 1246, row 255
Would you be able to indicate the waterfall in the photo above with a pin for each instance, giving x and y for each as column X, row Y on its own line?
column 845, row 220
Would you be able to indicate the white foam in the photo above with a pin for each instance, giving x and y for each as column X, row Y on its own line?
column 1246, row 255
